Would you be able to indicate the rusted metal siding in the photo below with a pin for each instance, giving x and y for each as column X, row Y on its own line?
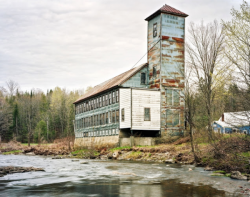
column 125, row 103
column 154, row 53
column 145, row 99
column 135, row 81
column 169, row 60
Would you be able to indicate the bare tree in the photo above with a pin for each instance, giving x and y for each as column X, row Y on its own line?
column 205, row 57
column 12, row 87
column 237, row 51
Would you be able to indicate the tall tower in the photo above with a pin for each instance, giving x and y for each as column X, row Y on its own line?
column 166, row 39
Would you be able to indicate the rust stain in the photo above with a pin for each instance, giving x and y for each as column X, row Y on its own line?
column 165, row 37
column 172, row 80
column 166, row 55
column 178, row 39
column 179, row 56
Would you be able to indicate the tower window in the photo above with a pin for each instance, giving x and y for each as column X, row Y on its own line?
column 173, row 97
column 146, row 114
column 154, row 71
column 155, row 30
column 143, row 78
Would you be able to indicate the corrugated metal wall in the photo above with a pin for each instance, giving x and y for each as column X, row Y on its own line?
column 168, row 58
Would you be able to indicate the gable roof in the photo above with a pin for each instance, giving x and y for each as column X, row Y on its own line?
column 235, row 119
column 168, row 10
column 111, row 83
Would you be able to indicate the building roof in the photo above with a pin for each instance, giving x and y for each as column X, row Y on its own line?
column 111, row 83
column 168, row 10
column 235, row 119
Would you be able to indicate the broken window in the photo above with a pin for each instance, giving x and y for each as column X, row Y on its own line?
column 107, row 101
column 173, row 97
column 117, row 96
column 113, row 116
column 103, row 101
column 123, row 116
column 143, row 78
column 117, row 116
column 154, row 29
column 146, row 114
column 154, row 71
column 113, row 97
column 107, row 118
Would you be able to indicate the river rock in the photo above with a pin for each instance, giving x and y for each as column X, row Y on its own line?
column 209, row 168
column 57, row 157
column 84, row 162
column 169, row 161
column 115, row 154
column 110, row 155
column 238, row 175
column 30, row 153
column 74, row 160
column 11, row 169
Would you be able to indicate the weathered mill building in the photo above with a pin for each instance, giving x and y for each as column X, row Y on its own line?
column 146, row 101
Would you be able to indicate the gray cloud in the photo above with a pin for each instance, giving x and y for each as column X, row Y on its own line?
column 78, row 43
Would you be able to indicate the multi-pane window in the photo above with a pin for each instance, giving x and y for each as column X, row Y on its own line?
column 94, row 104
column 117, row 96
column 113, row 93
column 154, row 29
column 84, row 106
column 100, row 119
column 173, row 97
column 143, row 78
column 107, row 118
column 110, row 98
column 117, row 116
column 173, row 118
column 97, row 102
column 146, row 114
column 123, row 114
column 113, row 116
column 107, row 102
column 100, row 101
column 103, row 101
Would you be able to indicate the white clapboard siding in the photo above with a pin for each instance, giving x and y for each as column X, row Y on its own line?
column 125, row 102
column 145, row 99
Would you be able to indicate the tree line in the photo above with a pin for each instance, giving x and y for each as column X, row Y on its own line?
column 36, row 116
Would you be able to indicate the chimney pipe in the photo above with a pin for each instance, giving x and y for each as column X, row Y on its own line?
column 222, row 117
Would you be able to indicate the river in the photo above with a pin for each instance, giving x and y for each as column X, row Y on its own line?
column 67, row 178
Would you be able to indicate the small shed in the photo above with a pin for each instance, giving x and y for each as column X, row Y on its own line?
column 233, row 122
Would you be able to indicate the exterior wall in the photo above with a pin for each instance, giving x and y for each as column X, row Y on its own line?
column 105, row 129
column 135, row 81
column 217, row 127
column 136, row 141
column 154, row 55
column 145, row 99
column 125, row 102
column 92, row 142
column 168, row 57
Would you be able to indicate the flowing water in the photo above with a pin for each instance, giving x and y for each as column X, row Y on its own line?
column 67, row 178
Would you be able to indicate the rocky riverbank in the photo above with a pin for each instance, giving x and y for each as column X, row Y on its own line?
column 11, row 170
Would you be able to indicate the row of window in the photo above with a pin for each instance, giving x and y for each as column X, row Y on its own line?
column 101, row 101
column 99, row 119
column 98, row 133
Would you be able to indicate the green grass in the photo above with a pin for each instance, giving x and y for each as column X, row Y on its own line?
column 220, row 171
column 12, row 152
column 120, row 148
column 246, row 154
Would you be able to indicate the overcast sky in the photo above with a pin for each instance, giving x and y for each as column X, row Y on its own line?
column 78, row 43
